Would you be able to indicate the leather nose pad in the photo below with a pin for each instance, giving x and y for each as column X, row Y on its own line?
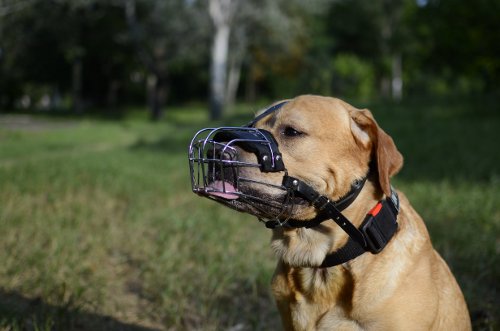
column 220, row 153
column 257, row 141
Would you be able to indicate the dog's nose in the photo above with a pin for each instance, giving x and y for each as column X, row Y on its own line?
column 218, row 152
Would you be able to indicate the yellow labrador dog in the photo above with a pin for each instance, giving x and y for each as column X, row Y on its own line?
column 353, row 253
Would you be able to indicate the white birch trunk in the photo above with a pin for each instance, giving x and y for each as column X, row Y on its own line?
column 221, row 12
column 218, row 70
column 233, row 81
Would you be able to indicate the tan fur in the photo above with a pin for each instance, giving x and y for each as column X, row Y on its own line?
column 407, row 286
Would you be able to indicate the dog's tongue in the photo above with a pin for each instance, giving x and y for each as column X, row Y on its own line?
column 223, row 190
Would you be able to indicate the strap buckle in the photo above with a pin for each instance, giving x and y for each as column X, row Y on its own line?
column 374, row 238
column 394, row 199
column 378, row 228
column 320, row 202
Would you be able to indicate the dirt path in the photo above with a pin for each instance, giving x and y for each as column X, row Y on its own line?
column 23, row 122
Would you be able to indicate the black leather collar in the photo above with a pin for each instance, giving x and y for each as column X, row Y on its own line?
column 375, row 232
column 327, row 209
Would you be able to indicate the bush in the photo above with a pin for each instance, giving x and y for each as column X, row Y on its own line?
column 353, row 77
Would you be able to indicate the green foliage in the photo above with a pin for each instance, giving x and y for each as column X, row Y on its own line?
column 455, row 47
column 100, row 230
column 353, row 77
column 282, row 48
column 40, row 44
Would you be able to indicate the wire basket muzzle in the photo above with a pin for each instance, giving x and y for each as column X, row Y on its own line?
column 215, row 160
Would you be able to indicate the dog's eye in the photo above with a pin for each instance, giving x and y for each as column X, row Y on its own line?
column 290, row 132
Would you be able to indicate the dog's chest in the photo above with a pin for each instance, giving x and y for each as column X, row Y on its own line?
column 305, row 295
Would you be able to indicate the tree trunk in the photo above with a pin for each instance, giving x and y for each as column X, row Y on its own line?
column 76, row 82
column 397, row 78
column 55, row 98
column 238, row 51
column 154, row 63
column 233, row 80
column 218, row 71
column 157, row 92
column 221, row 13
column 112, row 95
column 250, row 85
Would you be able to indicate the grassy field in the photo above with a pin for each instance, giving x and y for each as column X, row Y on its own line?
column 100, row 231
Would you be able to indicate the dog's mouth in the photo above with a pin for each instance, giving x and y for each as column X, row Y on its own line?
column 223, row 179
column 263, row 200
column 222, row 189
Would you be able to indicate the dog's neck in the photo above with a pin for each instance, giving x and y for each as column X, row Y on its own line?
column 308, row 247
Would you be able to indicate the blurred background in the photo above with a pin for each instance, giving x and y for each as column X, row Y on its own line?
column 99, row 229
column 105, row 55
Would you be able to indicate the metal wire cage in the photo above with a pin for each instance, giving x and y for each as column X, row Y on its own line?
column 217, row 169
column 214, row 157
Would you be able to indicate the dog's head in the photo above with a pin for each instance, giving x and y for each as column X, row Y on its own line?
column 323, row 141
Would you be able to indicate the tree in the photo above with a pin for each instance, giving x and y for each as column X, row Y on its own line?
column 458, row 44
column 151, row 49
column 222, row 14
column 251, row 29
column 49, row 47
column 164, row 32
column 376, row 32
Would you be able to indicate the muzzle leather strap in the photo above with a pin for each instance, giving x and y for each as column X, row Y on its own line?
column 268, row 111
column 372, row 236
column 251, row 140
column 327, row 209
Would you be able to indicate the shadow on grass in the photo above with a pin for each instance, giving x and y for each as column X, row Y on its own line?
column 20, row 313
column 248, row 306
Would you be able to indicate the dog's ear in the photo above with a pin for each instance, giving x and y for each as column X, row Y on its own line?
column 367, row 133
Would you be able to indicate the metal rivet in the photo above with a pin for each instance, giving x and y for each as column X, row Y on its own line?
column 277, row 157
column 265, row 158
column 295, row 182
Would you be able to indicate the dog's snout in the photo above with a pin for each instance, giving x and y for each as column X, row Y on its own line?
column 221, row 153
column 220, row 163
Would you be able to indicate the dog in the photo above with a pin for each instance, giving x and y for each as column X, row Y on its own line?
column 329, row 178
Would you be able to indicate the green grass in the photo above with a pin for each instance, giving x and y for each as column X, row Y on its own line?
column 100, row 230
